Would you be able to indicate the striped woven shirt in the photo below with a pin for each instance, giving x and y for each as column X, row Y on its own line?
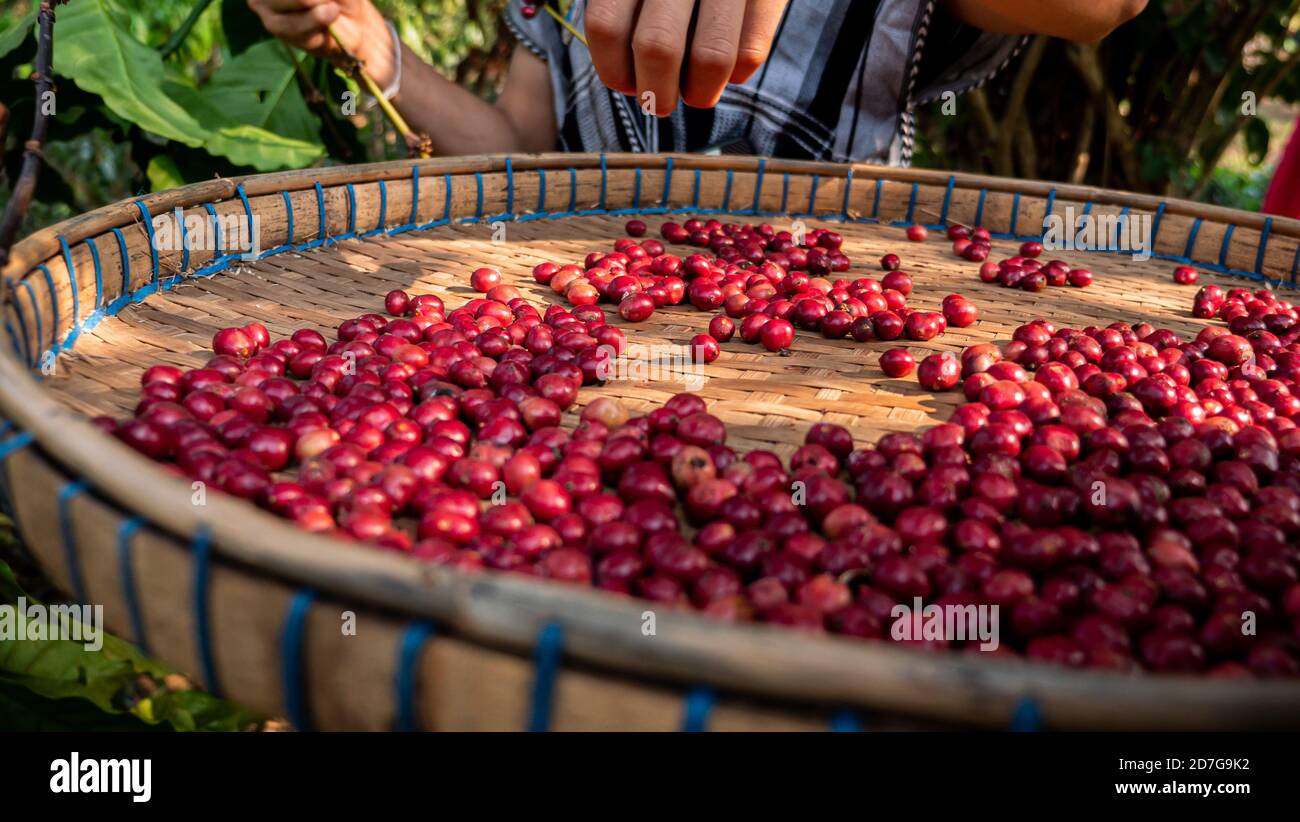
column 842, row 82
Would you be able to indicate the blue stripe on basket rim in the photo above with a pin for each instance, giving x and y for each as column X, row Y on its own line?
column 224, row 261
column 1048, row 210
column 947, row 200
column 509, row 213
column 911, row 204
column 413, row 222
column 248, row 212
column 99, row 272
column 1027, row 715
column 126, row 573
column 383, row 211
column 22, row 322
column 1261, row 251
column 979, row 208
column 446, row 206
column 75, row 331
column 546, row 666
column 15, row 443
column 352, row 214
column 288, row 218
column 322, row 231
column 696, row 709
column 76, row 582
column 292, row 638
column 56, row 345
column 847, row 721
column 153, row 244
column 185, row 241
column 8, row 447
column 408, row 674
column 200, row 593
column 1155, row 224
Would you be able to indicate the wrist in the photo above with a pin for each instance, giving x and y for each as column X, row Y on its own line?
column 380, row 52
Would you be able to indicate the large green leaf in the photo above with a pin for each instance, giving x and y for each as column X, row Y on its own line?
column 60, row 668
column 252, row 110
column 54, row 684
column 22, row 710
column 245, row 145
column 163, row 173
column 14, row 36
column 103, row 58
column 259, row 88
column 263, row 150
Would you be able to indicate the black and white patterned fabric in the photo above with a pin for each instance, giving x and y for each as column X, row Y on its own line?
column 841, row 84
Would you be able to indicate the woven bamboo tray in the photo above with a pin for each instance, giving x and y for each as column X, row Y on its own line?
column 254, row 608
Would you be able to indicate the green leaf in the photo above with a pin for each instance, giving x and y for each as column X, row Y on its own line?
column 195, row 711
column 61, row 685
column 12, row 37
column 259, row 88
column 59, row 668
column 253, row 111
column 243, row 145
column 262, row 149
column 242, row 26
column 22, row 710
column 10, row 590
column 103, row 58
column 164, row 174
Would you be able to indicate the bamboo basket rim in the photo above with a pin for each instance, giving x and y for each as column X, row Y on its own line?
column 688, row 647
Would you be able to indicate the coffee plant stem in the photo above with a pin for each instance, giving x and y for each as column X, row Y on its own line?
column 417, row 143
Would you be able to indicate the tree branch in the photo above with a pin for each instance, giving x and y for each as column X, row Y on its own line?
column 1026, row 150
column 1016, row 101
column 33, row 151
column 1083, row 144
column 1085, row 61
column 979, row 102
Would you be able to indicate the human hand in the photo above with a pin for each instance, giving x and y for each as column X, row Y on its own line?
column 697, row 46
column 359, row 25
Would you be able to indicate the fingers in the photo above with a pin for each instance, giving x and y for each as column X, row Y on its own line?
column 714, row 45
column 299, row 22
column 658, row 45
column 608, row 26
column 762, row 19
column 287, row 6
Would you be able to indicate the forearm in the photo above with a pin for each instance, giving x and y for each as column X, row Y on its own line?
column 1082, row 20
column 459, row 121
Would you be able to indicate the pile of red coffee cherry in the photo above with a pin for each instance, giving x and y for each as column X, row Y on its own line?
column 766, row 283
column 1128, row 498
